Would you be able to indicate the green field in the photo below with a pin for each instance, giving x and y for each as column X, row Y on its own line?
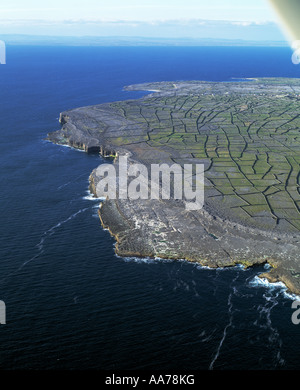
column 250, row 141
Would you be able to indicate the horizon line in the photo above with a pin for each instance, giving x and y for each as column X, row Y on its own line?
column 121, row 39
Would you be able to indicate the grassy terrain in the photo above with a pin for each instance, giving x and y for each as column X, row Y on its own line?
column 250, row 140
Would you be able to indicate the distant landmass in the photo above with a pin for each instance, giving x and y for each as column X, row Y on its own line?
column 19, row 39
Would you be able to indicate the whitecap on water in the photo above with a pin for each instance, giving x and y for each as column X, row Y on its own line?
column 143, row 260
column 71, row 147
column 140, row 260
column 263, row 282
column 235, row 267
column 93, row 198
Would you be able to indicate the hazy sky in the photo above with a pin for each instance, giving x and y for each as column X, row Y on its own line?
column 253, row 19
column 141, row 10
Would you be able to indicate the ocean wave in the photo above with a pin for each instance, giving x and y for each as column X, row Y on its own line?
column 235, row 267
column 71, row 181
column 92, row 198
column 293, row 297
column 144, row 260
column 263, row 282
column 70, row 147
column 48, row 233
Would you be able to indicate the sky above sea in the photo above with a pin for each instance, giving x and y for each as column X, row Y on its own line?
column 253, row 20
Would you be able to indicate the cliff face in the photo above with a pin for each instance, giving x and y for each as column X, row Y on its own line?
column 247, row 139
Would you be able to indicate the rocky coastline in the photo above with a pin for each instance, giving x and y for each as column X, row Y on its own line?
column 245, row 219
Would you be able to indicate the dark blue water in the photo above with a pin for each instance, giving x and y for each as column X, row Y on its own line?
column 71, row 303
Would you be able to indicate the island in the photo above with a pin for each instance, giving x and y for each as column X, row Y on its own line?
column 245, row 132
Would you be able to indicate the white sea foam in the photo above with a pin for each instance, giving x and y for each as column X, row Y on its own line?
column 140, row 260
column 229, row 324
column 50, row 232
column 72, row 181
column 263, row 282
column 235, row 267
column 291, row 296
column 144, row 260
column 201, row 267
column 92, row 198
column 195, row 264
column 240, row 267
column 267, row 266
column 71, row 147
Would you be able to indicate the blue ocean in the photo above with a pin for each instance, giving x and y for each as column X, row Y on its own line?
column 71, row 303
